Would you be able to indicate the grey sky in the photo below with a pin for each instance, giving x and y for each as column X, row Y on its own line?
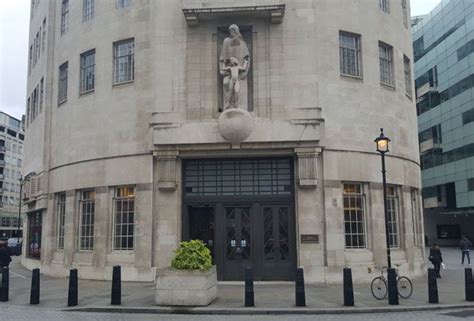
column 14, row 24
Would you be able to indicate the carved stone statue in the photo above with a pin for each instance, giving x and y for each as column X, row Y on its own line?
column 234, row 64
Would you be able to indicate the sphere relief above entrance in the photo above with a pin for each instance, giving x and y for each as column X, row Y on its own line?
column 235, row 124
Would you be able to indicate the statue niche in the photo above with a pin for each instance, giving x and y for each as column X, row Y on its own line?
column 234, row 70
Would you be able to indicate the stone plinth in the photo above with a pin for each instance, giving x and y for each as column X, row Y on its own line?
column 186, row 287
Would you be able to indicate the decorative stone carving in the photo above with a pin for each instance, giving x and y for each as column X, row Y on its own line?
column 235, row 125
column 307, row 167
column 166, row 161
column 234, row 64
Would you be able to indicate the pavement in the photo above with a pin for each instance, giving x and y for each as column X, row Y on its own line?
column 270, row 297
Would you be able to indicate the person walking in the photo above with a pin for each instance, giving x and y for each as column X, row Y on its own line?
column 465, row 247
column 436, row 258
column 5, row 257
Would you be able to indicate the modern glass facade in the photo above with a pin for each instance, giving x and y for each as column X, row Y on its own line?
column 443, row 43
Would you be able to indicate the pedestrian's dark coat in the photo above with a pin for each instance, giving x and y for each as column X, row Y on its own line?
column 435, row 256
column 465, row 245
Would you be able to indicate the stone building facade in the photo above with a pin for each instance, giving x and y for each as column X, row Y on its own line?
column 128, row 156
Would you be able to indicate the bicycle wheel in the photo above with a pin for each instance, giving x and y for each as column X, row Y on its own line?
column 405, row 288
column 379, row 288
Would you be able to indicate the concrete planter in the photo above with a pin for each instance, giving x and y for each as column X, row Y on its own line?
column 186, row 287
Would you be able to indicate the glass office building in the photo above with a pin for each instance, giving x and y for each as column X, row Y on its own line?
column 443, row 43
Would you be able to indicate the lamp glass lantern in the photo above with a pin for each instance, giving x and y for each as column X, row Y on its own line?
column 382, row 142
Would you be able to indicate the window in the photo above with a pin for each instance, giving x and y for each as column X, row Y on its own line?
column 43, row 39
column 407, row 72
column 386, row 64
column 349, row 54
column 416, row 218
column 28, row 112
column 87, row 71
column 64, row 16
column 405, row 13
column 60, row 219
column 86, row 229
column 124, row 61
column 392, row 213
column 123, row 3
column 470, row 184
column 354, row 216
column 124, row 218
column 62, row 87
column 384, row 5
column 87, row 10
column 30, row 59
column 34, row 235
column 41, row 94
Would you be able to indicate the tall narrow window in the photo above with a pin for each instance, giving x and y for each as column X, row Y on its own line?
column 62, row 86
column 34, row 103
column 41, row 95
column 407, row 72
column 43, row 39
column 386, row 64
column 349, row 54
column 354, row 216
column 416, row 218
column 38, row 45
column 64, row 16
column 123, row 3
column 87, row 71
column 60, row 219
column 87, row 9
column 30, row 60
column 124, row 218
column 384, row 5
column 404, row 13
column 86, row 229
column 37, row 90
column 392, row 213
column 28, row 112
column 124, row 61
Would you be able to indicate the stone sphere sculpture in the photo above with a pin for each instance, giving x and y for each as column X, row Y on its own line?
column 235, row 125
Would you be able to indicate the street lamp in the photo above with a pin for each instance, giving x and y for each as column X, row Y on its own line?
column 382, row 143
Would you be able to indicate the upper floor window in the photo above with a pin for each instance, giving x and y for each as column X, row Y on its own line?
column 407, row 72
column 354, row 215
column 124, row 61
column 62, row 85
column 87, row 9
column 349, row 54
column 386, row 64
column 123, row 3
column 87, row 71
column 43, row 39
column 384, row 5
column 405, row 13
column 64, row 16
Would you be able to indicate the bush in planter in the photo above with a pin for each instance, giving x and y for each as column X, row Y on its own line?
column 192, row 255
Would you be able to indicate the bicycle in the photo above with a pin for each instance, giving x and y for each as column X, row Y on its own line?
column 379, row 286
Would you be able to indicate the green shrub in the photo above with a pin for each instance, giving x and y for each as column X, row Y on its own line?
column 192, row 255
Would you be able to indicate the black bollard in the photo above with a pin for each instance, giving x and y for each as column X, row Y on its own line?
column 348, row 288
column 35, row 287
column 73, row 289
column 432, row 286
column 5, row 284
column 392, row 287
column 116, row 286
column 249, row 297
column 300, row 296
column 469, row 284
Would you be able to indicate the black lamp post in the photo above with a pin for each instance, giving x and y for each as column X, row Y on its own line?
column 19, row 212
column 382, row 143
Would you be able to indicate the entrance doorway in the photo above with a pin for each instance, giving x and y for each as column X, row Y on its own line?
column 251, row 229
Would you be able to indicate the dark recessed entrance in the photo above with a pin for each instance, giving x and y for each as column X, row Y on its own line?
column 243, row 211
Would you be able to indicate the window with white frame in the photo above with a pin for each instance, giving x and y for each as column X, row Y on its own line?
column 62, row 85
column 392, row 213
column 416, row 218
column 124, row 60
column 354, row 215
column 349, row 54
column 87, row 9
column 407, row 72
column 87, row 71
column 384, row 5
column 404, row 13
column 123, row 3
column 60, row 219
column 86, row 225
column 124, row 218
column 64, row 16
column 386, row 64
